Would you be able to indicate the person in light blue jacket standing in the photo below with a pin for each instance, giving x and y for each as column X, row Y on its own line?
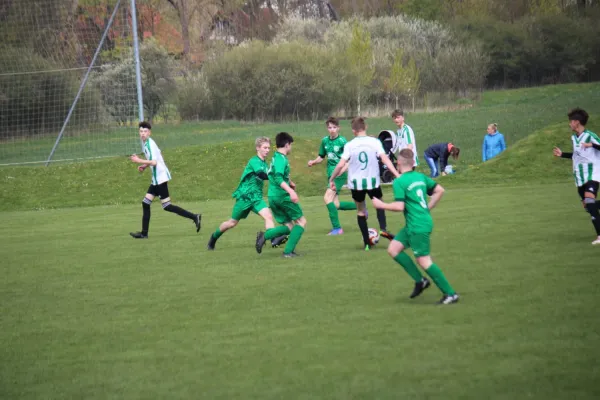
column 493, row 143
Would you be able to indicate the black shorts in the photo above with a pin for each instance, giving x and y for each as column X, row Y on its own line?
column 161, row 190
column 589, row 186
column 360, row 195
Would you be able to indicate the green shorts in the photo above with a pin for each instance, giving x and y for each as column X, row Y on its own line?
column 419, row 241
column 340, row 181
column 284, row 210
column 242, row 208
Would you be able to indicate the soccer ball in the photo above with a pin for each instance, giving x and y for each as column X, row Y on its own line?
column 373, row 236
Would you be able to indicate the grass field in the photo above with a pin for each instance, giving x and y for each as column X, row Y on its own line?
column 87, row 312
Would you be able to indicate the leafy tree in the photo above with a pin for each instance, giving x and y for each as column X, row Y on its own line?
column 360, row 61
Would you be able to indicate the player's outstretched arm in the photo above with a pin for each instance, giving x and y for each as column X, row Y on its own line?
column 435, row 197
column 317, row 160
column 559, row 153
column 137, row 160
column 386, row 161
column 381, row 205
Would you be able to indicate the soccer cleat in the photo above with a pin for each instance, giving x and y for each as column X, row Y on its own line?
column 211, row 243
column 138, row 235
column 449, row 299
column 597, row 241
column 336, row 231
column 197, row 221
column 293, row 254
column 260, row 241
column 386, row 234
column 367, row 247
column 279, row 240
column 420, row 287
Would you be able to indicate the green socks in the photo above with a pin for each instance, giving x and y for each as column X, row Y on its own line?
column 347, row 205
column 275, row 232
column 217, row 234
column 295, row 236
column 333, row 215
column 409, row 266
column 439, row 279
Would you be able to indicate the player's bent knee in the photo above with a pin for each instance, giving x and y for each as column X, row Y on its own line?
column 301, row 221
column 425, row 261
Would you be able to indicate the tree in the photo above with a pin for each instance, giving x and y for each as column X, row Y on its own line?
column 360, row 60
column 403, row 80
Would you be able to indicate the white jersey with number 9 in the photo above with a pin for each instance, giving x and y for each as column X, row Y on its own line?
column 362, row 154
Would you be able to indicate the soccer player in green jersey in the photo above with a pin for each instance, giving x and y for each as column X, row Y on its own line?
column 332, row 147
column 249, row 197
column 410, row 191
column 283, row 198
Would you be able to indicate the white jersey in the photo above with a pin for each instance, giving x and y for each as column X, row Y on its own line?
column 586, row 161
column 362, row 154
column 160, row 172
column 406, row 136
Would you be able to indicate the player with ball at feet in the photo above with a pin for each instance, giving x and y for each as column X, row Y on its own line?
column 410, row 191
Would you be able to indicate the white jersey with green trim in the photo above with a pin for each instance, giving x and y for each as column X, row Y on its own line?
column 160, row 172
column 362, row 154
column 406, row 136
column 586, row 161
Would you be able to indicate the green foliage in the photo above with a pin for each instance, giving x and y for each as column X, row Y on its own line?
column 430, row 10
column 37, row 103
column 360, row 60
column 403, row 80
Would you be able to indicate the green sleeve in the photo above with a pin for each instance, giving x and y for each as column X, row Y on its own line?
column 322, row 152
column 430, row 184
column 399, row 194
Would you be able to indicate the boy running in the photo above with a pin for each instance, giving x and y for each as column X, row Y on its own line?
column 159, row 186
column 410, row 191
column 586, row 164
column 405, row 134
column 249, row 197
column 332, row 147
column 361, row 155
column 283, row 199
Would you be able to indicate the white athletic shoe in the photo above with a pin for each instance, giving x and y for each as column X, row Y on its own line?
column 597, row 241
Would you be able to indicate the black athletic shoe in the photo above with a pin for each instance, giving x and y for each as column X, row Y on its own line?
column 449, row 299
column 211, row 243
column 279, row 240
column 197, row 221
column 138, row 235
column 386, row 235
column 420, row 287
column 260, row 241
column 293, row 254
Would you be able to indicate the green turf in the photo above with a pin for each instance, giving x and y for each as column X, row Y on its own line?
column 518, row 112
column 87, row 312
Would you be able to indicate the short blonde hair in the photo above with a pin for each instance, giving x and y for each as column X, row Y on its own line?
column 495, row 126
column 406, row 157
column 261, row 140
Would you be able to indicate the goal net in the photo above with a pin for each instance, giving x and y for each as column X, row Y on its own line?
column 47, row 48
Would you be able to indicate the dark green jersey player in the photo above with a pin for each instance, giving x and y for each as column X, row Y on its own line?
column 249, row 197
column 332, row 147
column 283, row 199
column 410, row 194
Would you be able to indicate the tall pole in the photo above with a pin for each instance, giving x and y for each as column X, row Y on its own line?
column 138, row 69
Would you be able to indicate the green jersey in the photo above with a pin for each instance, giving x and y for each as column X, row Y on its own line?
column 412, row 188
column 332, row 149
column 279, row 171
column 251, row 183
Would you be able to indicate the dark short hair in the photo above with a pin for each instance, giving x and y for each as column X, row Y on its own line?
column 332, row 120
column 282, row 139
column 397, row 113
column 145, row 124
column 579, row 114
column 358, row 124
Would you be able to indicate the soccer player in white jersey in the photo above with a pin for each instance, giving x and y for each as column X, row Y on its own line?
column 159, row 186
column 586, row 164
column 405, row 135
column 362, row 154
